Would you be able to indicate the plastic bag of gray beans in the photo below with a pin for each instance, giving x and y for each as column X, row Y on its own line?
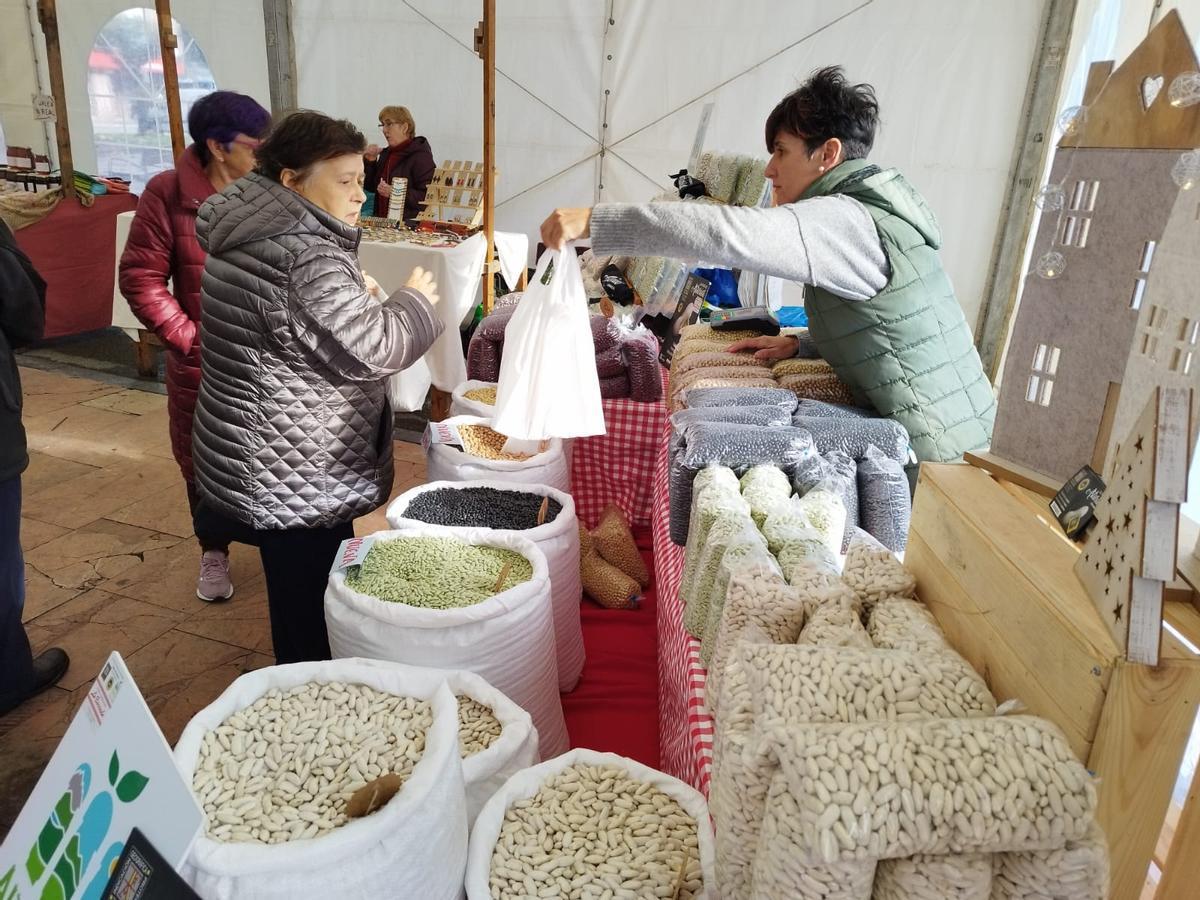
column 853, row 436
column 821, row 409
column 724, row 396
column 884, row 501
column 762, row 416
column 837, row 473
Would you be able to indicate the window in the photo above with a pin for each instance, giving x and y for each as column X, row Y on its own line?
column 1182, row 345
column 1040, row 388
column 1139, row 280
column 128, row 104
column 1078, row 221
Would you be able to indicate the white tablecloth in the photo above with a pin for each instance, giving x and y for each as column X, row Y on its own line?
column 457, row 271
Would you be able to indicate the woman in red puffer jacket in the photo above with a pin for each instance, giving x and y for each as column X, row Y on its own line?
column 226, row 129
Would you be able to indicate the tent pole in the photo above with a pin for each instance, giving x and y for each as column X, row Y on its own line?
column 488, row 52
column 48, row 18
column 167, row 44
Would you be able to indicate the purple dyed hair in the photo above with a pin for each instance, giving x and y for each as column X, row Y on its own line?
column 222, row 116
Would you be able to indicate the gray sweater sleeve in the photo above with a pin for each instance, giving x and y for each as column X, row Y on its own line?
column 830, row 242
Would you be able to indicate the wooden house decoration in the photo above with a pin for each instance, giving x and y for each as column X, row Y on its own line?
column 1130, row 555
column 1074, row 335
column 454, row 195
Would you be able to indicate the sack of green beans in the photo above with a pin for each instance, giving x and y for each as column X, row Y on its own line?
column 283, row 832
column 496, row 737
column 474, row 398
column 428, row 597
column 466, row 448
column 516, row 510
column 592, row 824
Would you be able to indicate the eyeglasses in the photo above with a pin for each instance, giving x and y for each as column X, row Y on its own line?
column 252, row 143
column 387, row 124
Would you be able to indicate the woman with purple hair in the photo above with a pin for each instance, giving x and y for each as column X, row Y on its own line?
column 226, row 130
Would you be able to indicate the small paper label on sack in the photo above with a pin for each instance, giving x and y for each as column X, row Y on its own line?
column 440, row 433
column 353, row 552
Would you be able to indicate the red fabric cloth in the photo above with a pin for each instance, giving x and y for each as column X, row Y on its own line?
column 73, row 249
column 162, row 246
column 615, row 706
column 618, row 467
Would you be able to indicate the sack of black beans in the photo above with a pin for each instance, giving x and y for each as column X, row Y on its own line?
column 837, row 473
column 852, row 436
column 479, row 455
column 741, row 446
column 468, row 599
column 726, row 396
column 762, row 416
column 508, row 509
column 884, row 501
column 819, row 408
column 385, row 854
column 474, row 398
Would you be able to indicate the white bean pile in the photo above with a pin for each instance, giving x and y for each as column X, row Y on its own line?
column 478, row 727
column 284, row 767
column 879, row 791
column 765, row 488
column 897, row 623
column 952, row 877
column 1077, row 871
column 752, row 557
column 835, row 625
column 873, row 572
column 596, row 832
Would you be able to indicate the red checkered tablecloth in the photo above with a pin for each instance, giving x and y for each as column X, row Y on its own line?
column 685, row 727
column 618, row 467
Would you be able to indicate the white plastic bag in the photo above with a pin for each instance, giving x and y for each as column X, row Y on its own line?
column 508, row 639
column 517, row 747
column 446, row 462
column 414, row 846
column 558, row 540
column 462, row 405
column 526, row 784
column 548, row 382
column 407, row 390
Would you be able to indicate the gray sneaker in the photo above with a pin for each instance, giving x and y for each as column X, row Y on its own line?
column 214, row 583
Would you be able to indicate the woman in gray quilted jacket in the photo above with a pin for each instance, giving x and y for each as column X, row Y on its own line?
column 292, row 438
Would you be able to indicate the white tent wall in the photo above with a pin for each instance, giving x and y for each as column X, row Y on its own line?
column 18, row 78
column 230, row 32
column 951, row 79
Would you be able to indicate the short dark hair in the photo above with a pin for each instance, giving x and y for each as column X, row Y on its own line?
column 827, row 106
column 304, row 139
column 222, row 116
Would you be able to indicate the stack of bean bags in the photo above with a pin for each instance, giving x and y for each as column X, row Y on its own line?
column 841, row 450
column 626, row 359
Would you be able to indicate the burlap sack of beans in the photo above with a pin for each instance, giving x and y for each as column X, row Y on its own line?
column 614, row 541
column 602, row 581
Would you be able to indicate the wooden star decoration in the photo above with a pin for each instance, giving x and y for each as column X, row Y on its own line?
column 1128, row 518
column 1117, row 610
column 1108, row 569
column 1108, row 526
column 1137, row 445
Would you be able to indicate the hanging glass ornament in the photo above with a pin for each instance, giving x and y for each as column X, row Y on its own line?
column 1184, row 90
column 1050, row 265
column 1050, row 198
column 1071, row 120
column 1186, row 171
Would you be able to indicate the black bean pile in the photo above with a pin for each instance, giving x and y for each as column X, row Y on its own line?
column 481, row 507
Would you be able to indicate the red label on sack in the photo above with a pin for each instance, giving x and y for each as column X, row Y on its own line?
column 353, row 552
column 440, row 433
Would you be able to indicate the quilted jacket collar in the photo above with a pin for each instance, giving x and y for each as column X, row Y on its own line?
column 255, row 208
column 193, row 185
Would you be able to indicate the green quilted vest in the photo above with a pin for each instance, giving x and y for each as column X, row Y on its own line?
column 907, row 351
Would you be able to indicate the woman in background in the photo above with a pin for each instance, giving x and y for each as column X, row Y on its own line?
column 293, row 431
column 404, row 156
column 160, row 277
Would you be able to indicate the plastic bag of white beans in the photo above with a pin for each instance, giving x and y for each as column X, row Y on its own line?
column 1077, row 871
column 384, row 854
column 966, row 876
column 605, row 821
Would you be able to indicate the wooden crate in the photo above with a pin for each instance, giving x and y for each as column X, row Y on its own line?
column 995, row 569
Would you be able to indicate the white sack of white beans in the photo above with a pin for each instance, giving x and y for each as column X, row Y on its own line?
column 592, row 825
column 508, row 509
column 853, row 436
column 751, row 558
column 734, row 534
column 716, row 494
column 722, row 396
column 884, row 499
column 887, row 790
column 760, row 606
column 1077, row 871
column 837, row 473
column 414, row 845
column 506, row 638
column 899, row 623
column 873, row 572
column 497, row 737
column 966, row 876
column 765, row 488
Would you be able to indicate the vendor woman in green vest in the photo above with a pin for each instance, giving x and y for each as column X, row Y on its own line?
column 860, row 238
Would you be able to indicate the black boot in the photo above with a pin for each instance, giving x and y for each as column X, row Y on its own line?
column 48, row 668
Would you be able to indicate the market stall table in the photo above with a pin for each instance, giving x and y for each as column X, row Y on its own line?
column 72, row 248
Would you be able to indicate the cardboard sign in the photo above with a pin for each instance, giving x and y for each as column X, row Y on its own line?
column 438, row 433
column 353, row 552
column 112, row 772
column 43, row 106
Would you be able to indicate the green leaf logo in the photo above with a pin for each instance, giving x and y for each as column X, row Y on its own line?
column 114, row 769
column 131, row 786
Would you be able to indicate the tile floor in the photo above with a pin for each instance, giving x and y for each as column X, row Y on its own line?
column 111, row 564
